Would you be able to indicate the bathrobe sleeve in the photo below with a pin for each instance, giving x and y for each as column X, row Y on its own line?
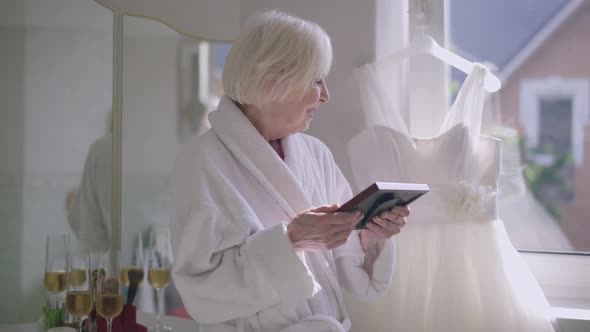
column 224, row 269
column 350, row 258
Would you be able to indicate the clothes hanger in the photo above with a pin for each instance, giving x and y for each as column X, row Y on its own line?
column 425, row 44
column 422, row 43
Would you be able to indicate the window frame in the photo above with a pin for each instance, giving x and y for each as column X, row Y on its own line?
column 564, row 277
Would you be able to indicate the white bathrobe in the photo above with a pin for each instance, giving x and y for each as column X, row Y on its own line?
column 235, row 267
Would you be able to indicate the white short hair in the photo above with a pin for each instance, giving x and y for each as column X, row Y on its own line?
column 276, row 57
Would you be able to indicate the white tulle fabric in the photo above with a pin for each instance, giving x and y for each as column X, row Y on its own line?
column 456, row 270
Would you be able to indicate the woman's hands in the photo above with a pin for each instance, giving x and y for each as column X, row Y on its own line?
column 321, row 228
column 384, row 226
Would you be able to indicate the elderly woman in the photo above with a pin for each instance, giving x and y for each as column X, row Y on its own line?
column 257, row 240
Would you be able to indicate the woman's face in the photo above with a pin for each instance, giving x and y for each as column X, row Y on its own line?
column 290, row 117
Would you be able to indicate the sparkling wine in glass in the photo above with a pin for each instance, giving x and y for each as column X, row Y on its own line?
column 55, row 263
column 159, row 265
column 95, row 272
column 132, row 274
column 79, row 299
column 109, row 299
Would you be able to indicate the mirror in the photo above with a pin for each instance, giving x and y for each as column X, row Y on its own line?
column 170, row 83
column 56, row 136
column 55, row 99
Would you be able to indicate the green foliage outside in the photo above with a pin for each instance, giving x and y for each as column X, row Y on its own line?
column 543, row 180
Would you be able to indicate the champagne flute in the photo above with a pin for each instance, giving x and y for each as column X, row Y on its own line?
column 109, row 299
column 79, row 297
column 55, row 263
column 159, row 265
column 132, row 274
column 96, row 271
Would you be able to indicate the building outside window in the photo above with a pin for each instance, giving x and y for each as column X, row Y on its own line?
column 539, row 49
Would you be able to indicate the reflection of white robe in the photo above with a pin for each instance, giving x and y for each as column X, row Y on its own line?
column 91, row 209
column 233, row 197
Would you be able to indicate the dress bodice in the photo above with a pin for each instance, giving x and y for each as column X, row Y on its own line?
column 463, row 180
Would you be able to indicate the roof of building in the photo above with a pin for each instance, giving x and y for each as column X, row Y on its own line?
column 496, row 31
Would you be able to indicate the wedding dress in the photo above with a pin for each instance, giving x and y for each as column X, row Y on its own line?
column 456, row 270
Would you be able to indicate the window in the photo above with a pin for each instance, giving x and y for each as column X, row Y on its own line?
column 555, row 124
column 542, row 115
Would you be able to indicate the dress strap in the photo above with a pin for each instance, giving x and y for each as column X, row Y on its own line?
column 467, row 109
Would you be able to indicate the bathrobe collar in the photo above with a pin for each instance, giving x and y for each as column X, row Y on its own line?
column 241, row 137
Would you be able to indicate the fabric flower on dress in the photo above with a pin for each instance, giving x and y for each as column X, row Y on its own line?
column 470, row 201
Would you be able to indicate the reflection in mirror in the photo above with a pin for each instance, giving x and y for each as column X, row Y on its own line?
column 55, row 98
column 170, row 83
